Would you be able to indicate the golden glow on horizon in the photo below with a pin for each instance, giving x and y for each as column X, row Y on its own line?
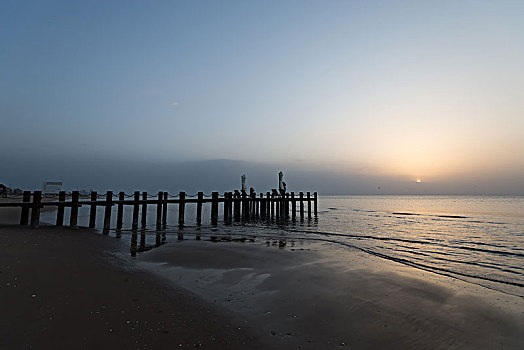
column 419, row 181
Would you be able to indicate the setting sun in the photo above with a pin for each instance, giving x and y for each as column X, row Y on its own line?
column 419, row 180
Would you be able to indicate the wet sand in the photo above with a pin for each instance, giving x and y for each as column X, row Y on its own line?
column 319, row 296
column 72, row 289
column 65, row 288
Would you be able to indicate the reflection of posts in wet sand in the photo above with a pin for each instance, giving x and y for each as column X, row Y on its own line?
column 142, row 240
column 133, row 243
column 158, row 240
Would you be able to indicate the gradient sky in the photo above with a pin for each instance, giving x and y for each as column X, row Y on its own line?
column 395, row 89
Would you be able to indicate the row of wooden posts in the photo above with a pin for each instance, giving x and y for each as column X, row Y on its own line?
column 237, row 206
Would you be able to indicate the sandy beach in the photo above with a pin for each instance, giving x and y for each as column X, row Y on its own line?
column 63, row 288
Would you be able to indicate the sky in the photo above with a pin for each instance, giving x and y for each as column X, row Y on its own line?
column 346, row 96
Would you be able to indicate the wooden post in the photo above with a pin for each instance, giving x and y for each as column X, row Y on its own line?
column 181, row 209
column 120, row 210
column 315, row 198
column 214, row 208
column 252, row 200
column 35, row 211
column 230, row 206
column 164, row 209
column 144, row 209
column 73, row 219
column 237, row 205
column 293, row 207
column 107, row 213
column 24, row 215
column 269, row 206
column 309, row 206
column 262, row 207
column 245, row 210
column 159, row 211
column 92, row 212
column 199, row 208
column 60, row 209
column 277, row 205
column 226, row 209
column 301, row 195
column 136, row 206
column 287, row 205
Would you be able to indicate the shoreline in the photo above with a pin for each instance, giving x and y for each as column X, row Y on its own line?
column 304, row 295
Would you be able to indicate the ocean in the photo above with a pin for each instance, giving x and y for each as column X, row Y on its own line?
column 478, row 239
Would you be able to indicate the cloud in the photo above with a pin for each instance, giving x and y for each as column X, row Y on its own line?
column 174, row 103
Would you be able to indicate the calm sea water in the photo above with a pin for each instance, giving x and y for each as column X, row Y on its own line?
column 476, row 238
column 479, row 239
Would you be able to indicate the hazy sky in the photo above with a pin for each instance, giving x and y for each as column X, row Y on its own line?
column 391, row 89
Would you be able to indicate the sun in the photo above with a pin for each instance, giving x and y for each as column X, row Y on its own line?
column 419, row 181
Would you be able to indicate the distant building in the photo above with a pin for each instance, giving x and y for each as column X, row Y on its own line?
column 51, row 187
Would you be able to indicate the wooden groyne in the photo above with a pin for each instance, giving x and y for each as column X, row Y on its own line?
column 237, row 206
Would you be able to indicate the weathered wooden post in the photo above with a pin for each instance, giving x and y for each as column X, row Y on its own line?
column 35, row 210
column 24, row 216
column 107, row 213
column 136, row 206
column 120, row 210
column 144, row 209
column 252, row 200
column 301, row 195
column 226, row 210
column 262, row 207
column 164, row 209
column 270, row 210
column 308, row 206
column 73, row 219
column 293, row 207
column 60, row 209
column 200, row 201
column 92, row 210
column 159, row 210
column 181, row 209
column 277, row 205
column 315, row 198
column 230, row 206
column 287, row 205
column 245, row 206
column 214, row 208
column 237, row 205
